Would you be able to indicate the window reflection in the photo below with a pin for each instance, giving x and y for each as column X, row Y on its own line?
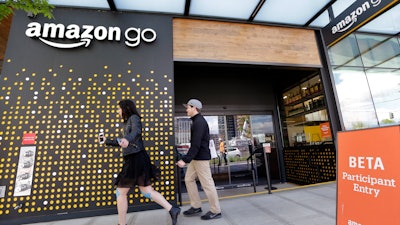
column 354, row 98
column 379, row 51
column 345, row 53
column 367, row 85
column 236, row 131
column 262, row 130
column 242, row 138
column 385, row 90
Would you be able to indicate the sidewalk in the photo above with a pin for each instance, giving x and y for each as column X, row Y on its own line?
column 301, row 205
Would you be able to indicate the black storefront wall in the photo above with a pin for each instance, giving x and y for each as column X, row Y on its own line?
column 57, row 94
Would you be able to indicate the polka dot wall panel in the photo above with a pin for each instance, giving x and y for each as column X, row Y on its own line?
column 52, row 109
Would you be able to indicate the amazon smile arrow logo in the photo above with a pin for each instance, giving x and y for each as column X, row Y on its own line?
column 83, row 41
column 347, row 22
column 82, row 36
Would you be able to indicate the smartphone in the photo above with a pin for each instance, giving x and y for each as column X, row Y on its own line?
column 102, row 139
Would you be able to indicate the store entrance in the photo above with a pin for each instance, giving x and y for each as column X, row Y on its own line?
column 237, row 142
column 243, row 105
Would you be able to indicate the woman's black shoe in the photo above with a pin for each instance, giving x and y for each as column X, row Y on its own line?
column 174, row 212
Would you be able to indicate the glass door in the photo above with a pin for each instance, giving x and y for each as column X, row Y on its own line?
column 238, row 142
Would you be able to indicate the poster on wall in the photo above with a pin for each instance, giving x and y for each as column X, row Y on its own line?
column 368, row 189
column 26, row 162
column 25, row 171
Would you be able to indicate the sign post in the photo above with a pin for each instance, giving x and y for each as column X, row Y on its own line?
column 368, row 175
column 267, row 149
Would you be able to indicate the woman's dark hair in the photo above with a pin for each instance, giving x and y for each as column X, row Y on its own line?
column 128, row 108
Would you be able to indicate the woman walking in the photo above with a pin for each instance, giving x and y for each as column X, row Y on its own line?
column 137, row 169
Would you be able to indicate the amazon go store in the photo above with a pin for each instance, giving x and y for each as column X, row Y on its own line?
column 275, row 97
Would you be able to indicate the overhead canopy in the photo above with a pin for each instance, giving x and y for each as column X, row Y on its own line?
column 304, row 13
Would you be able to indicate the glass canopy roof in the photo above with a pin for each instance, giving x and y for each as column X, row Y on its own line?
column 297, row 13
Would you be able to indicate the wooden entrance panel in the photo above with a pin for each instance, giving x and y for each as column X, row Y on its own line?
column 213, row 41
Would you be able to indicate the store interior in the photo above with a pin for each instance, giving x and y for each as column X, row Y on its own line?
column 248, row 106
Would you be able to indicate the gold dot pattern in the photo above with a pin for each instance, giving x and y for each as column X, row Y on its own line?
column 309, row 165
column 66, row 110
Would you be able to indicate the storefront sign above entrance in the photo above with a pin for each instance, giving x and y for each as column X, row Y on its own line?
column 73, row 36
column 358, row 14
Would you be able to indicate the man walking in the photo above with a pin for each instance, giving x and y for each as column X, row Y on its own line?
column 198, row 166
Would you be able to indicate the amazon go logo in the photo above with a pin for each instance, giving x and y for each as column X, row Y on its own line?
column 78, row 36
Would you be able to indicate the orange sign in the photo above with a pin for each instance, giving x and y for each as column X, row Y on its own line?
column 325, row 130
column 267, row 147
column 368, row 175
column 28, row 139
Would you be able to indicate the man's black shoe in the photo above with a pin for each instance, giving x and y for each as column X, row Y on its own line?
column 209, row 215
column 192, row 211
column 174, row 212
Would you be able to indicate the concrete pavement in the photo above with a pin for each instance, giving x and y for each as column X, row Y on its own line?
column 287, row 205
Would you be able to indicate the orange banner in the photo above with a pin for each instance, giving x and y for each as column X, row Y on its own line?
column 368, row 176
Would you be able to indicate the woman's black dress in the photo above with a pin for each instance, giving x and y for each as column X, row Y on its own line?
column 137, row 170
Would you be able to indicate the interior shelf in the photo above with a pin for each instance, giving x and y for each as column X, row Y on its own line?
column 304, row 113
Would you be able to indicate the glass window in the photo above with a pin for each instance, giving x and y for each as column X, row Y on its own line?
column 262, row 128
column 365, row 68
column 345, row 53
column 367, row 86
column 385, row 90
column 379, row 51
column 355, row 99
column 304, row 115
